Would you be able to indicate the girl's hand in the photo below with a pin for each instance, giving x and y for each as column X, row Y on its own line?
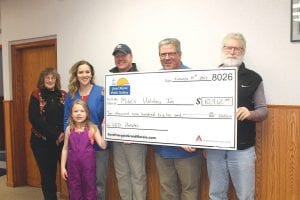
column 103, row 124
column 64, row 174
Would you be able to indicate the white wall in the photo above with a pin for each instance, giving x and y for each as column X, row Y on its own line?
column 1, row 74
column 89, row 29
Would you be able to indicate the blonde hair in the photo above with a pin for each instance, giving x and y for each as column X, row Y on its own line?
column 86, row 109
column 73, row 82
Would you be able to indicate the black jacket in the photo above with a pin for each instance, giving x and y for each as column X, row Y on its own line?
column 116, row 70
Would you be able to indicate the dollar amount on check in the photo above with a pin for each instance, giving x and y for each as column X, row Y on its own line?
column 175, row 108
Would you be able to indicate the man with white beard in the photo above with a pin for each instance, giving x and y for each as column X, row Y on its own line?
column 252, row 108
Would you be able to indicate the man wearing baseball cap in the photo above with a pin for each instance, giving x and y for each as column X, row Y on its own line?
column 129, row 159
column 123, row 59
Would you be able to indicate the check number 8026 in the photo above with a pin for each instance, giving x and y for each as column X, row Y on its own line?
column 222, row 77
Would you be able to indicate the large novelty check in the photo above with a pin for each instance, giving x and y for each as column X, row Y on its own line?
column 175, row 108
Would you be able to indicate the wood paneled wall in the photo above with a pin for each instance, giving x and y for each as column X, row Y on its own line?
column 277, row 165
column 278, row 155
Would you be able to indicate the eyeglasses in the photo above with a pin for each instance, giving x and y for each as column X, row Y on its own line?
column 48, row 78
column 235, row 49
column 169, row 54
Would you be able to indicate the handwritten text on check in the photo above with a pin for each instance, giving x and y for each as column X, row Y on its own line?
column 183, row 107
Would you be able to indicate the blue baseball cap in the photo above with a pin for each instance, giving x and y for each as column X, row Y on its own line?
column 123, row 48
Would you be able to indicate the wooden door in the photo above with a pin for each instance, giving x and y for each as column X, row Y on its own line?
column 29, row 59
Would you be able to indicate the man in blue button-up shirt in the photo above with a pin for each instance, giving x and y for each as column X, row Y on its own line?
column 176, row 163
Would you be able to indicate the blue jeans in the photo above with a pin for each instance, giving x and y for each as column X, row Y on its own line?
column 239, row 165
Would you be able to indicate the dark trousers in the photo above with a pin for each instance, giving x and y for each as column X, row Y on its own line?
column 46, row 154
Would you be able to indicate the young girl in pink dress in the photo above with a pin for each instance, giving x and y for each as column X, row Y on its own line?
column 78, row 164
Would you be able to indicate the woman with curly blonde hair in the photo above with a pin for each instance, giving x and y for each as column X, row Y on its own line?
column 74, row 83
column 82, row 86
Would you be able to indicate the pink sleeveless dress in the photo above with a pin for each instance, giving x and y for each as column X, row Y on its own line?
column 81, row 166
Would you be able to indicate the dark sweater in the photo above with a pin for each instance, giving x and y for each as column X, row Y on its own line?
column 46, row 112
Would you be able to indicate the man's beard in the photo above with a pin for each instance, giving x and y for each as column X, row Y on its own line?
column 228, row 61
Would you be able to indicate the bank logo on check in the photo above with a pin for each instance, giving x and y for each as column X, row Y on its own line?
column 199, row 139
column 119, row 87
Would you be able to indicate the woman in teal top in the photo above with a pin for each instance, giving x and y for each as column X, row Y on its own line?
column 82, row 86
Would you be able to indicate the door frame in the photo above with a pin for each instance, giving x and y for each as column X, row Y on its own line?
column 2, row 135
column 17, row 138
